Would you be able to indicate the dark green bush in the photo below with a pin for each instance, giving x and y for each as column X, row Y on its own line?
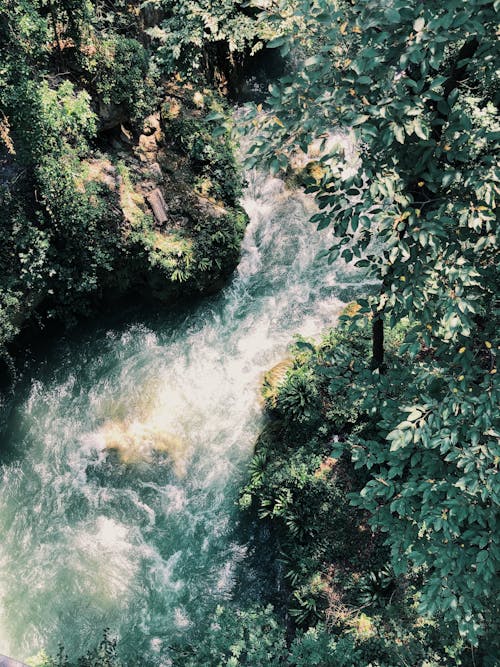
column 217, row 174
column 336, row 569
column 234, row 637
column 319, row 647
column 119, row 73
column 298, row 398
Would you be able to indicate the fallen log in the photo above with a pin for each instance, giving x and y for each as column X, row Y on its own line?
column 158, row 206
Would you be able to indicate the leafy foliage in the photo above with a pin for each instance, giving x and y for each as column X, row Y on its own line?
column 302, row 480
column 250, row 637
column 298, row 397
column 74, row 227
column 256, row 636
column 318, row 647
column 118, row 69
column 377, row 587
column 205, row 37
column 415, row 86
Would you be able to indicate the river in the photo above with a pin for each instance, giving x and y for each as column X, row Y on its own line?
column 128, row 444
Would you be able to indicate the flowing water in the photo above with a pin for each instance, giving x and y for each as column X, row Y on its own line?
column 126, row 450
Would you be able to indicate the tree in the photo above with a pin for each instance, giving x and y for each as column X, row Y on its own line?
column 67, row 19
column 415, row 86
column 207, row 38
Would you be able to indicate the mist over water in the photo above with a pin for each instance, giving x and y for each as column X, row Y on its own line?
column 124, row 456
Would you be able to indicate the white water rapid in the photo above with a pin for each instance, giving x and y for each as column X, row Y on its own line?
column 124, row 456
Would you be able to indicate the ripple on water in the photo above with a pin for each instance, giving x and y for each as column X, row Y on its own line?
column 119, row 510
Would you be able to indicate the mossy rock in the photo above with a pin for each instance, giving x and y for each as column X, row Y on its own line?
column 273, row 379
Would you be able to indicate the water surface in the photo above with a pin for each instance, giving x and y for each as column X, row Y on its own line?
column 126, row 450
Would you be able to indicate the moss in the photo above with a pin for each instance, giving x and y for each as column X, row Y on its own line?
column 132, row 203
column 82, row 230
column 173, row 255
column 172, row 244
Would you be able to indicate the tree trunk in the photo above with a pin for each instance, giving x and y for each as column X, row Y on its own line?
column 377, row 342
column 53, row 16
column 456, row 77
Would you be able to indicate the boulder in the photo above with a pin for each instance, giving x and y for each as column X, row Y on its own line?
column 151, row 125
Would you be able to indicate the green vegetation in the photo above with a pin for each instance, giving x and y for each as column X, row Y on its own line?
column 82, row 145
column 312, row 477
column 418, row 87
column 207, row 38
column 378, row 467
column 118, row 70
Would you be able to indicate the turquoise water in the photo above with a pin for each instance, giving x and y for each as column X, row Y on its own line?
column 127, row 447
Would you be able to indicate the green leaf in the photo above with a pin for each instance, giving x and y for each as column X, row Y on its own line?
column 276, row 42
column 214, row 115
column 359, row 120
column 274, row 166
column 420, row 131
column 399, row 133
column 392, row 15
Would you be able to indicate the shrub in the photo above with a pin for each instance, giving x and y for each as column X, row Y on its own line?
column 212, row 158
column 118, row 71
column 252, row 637
column 316, row 646
column 298, row 396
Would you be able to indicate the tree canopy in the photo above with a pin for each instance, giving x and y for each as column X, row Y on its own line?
column 415, row 86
